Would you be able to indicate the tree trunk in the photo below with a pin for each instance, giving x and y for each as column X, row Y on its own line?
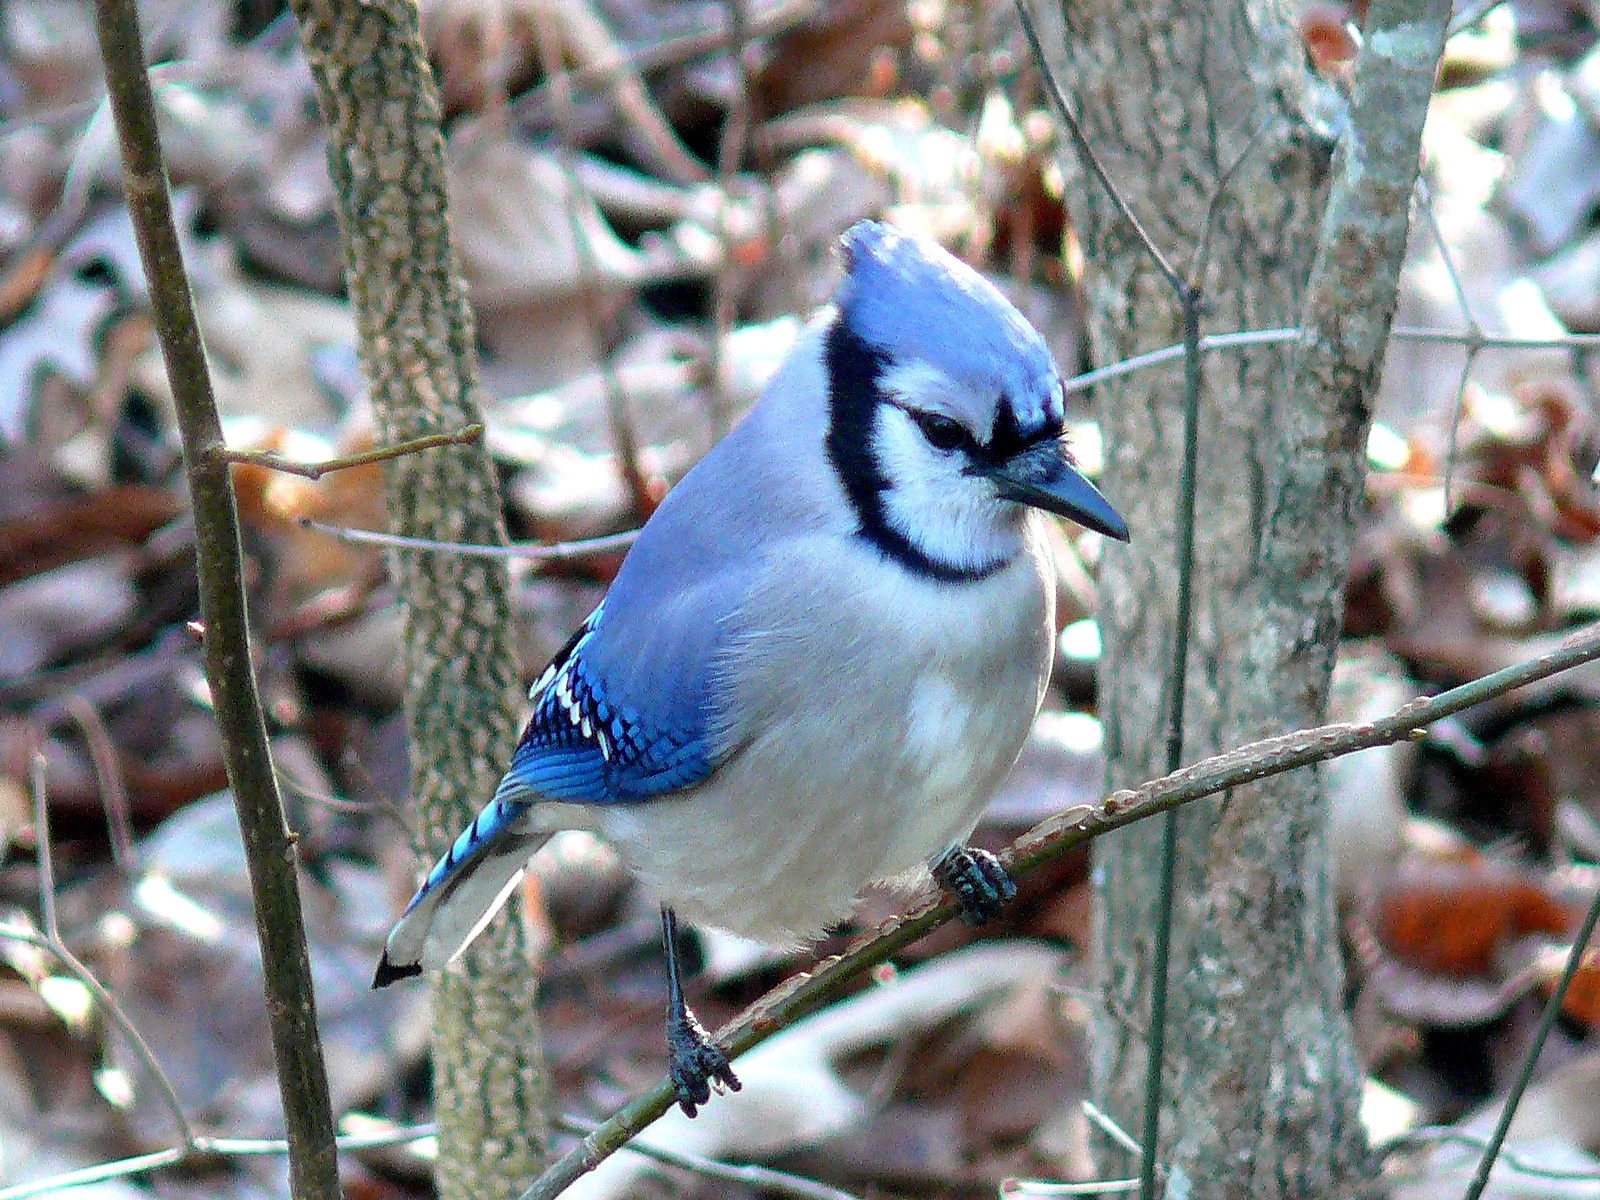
column 1205, row 118
column 417, row 344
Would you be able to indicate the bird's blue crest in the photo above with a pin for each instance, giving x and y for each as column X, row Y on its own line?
column 914, row 300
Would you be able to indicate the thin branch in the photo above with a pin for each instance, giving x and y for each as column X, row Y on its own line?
column 108, row 774
column 202, row 1147
column 1474, row 333
column 1472, row 14
column 1155, row 358
column 766, row 1179
column 51, row 940
column 1269, row 337
column 1552, row 1012
column 1110, row 1128
column 536, row 551
column 780, row 1183
column 768, row 20
column 584, row 34
column 1041, row 1187
column 269, row 846
column 1425, row 202
column 1161, row 955
column 276, row 462
column 1445, row 1135
column 730, row 151
column 623, row 435
column 1047, row 842
column 1496, row 341
column 1086, row 152
column 119, row 1169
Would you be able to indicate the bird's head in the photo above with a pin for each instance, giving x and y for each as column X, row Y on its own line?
column 945, row 410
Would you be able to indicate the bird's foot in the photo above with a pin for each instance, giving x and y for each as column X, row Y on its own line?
column 695, row 1063
column 977, row 880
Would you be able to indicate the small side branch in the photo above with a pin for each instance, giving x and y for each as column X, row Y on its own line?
column 276, row 462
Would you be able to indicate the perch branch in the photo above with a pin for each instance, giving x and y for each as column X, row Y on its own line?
column 1048, row 841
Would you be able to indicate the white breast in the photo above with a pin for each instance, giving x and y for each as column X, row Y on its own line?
column 875, row 715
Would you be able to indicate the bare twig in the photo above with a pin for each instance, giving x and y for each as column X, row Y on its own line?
column 269, row 846
column 624, row 438
column 1050, row 840
column 584, row 34
column 730, row 151
column 537, row 551
column 276, row 462
column 1473, row 337
column 767, row 20
column 1530, row 1059
column 108, row 774
column 1080, row 143
column 1445, row 1135
column 780, row 1183
column 1041, row 1187
column 1271, row 337
column 51, row 940
column 201, row 1147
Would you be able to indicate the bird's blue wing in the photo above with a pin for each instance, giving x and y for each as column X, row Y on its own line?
column 586, row 744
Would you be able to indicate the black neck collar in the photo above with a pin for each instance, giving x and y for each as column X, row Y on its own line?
column 854, row 369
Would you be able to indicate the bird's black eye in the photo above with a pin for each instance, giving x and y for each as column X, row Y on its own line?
column 942, row 433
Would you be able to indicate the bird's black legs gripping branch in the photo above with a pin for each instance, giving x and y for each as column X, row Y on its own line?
column 977, row 880
column 693, row 1060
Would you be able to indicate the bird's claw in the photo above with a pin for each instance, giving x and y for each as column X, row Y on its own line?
column 977, row 880
column 695, row 1064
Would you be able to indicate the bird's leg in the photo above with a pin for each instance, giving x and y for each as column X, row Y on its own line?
column 976, row 879
column 693, row 1060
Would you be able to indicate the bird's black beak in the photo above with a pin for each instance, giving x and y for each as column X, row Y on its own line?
column 1042, row 476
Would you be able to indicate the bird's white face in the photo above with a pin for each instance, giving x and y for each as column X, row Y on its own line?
column 940, row 466
column 927, row 444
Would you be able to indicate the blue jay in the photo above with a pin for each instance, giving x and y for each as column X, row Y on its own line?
column 823, row 654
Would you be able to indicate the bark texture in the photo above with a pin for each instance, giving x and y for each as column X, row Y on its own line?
column 1262, row 1087
column 417, row 345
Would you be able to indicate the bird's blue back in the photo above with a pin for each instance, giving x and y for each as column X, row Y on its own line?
column 631, row 708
